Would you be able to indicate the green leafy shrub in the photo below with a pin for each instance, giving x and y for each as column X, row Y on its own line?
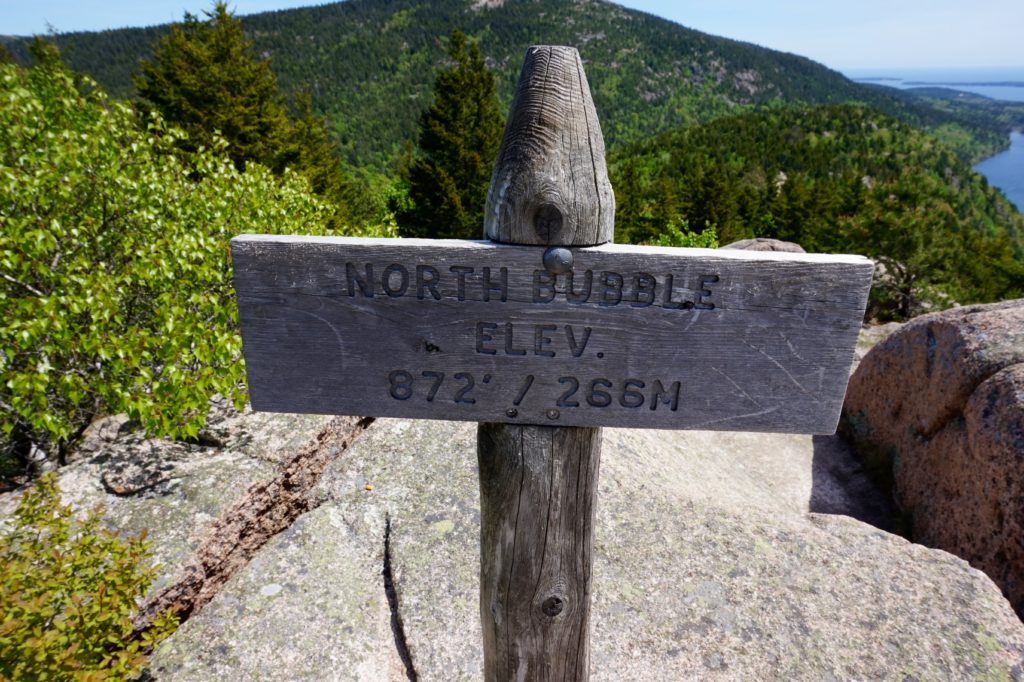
column 675, row 236
column 68, row 591
column 115, row 272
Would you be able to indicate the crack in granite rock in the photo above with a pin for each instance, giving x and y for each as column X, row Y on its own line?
column 267, row 508
column 397, row 628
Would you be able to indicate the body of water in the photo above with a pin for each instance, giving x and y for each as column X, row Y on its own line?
column 1006, row 170
column 1004, row 83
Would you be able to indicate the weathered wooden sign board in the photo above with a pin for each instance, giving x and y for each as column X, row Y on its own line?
column 542, row 336
column 628, row 336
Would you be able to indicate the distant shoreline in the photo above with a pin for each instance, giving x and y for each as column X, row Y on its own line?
column 987, row 84
column 997, row 177
column 1002, row 150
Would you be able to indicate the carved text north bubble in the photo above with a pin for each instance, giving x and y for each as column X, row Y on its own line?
column 602, row 288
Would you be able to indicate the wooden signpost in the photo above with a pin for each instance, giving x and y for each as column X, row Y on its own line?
column 544, row 333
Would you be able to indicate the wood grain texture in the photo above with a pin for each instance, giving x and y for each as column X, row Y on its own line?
column 550, row 183
column 745, row 340
column 538, row 484
column 538, row 487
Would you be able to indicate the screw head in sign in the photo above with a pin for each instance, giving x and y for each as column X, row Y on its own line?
column 558, row 260
column 553, row 414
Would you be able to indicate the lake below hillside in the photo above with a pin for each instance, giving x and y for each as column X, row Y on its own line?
column 1006, row 170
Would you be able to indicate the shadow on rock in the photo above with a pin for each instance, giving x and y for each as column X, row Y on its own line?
column 840, row 485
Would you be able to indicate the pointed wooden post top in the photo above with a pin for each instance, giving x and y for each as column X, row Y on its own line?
column 550, row 183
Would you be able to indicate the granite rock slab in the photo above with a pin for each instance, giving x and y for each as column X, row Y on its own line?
column 710, row 563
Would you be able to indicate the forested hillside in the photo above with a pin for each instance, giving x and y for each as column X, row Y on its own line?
column 834, row 178
column 370, row 65
column 705, row 135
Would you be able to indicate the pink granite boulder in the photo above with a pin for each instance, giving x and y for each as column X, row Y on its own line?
column 939, row 406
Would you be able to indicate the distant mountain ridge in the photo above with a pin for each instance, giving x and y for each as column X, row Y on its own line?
column 371, row 63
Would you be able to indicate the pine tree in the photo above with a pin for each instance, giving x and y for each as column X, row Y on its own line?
column 205, row 79
column 631, row 226
column 6, row 56
column 458, row 142
column 308, row 146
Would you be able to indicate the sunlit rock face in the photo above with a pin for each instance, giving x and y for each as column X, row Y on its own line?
column 939, row 407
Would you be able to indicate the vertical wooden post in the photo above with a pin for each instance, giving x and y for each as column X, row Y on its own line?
column 538, row 483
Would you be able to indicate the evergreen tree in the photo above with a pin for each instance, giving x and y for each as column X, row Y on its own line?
column 6, row 56
column 205, row 79
column 630, row 195
column 458, row 142
column 308, row 146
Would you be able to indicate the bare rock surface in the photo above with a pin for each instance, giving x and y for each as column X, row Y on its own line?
column 925, row 373
column 315, row 548
column 175, row 490
column 268, row 507
column 309, row 606
column 939, row 406
column 869, row 337
column 710, row 563
column 765, row 244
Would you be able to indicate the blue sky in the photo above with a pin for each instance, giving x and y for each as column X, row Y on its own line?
column 846, row 34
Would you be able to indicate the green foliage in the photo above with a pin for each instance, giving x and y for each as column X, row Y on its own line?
column 204, row 79
column 683, row 237
column 68, row 591
column 373, row 198
column 458, row 143
column 308, row 146
column 838, row 178
column 115, row 272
